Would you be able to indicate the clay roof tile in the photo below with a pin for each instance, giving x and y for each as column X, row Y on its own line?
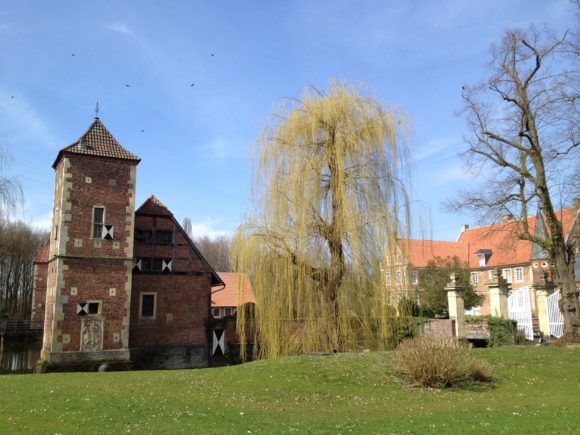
column 498, row 241
column 237, row 291
column 153, row 206
column 97, row 141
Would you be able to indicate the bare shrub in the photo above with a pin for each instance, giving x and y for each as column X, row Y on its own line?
column 438, row 362
column 479, row 371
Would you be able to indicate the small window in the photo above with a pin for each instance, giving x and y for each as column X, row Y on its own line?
column 94, row 308
column 492, row 274
column 157, row 265
column 164, row 237
column 482, row 260
column 474, row 278
column 507, row 274
column 145, row 264
column 88, row 308
column 98, row 221
column 144, row 236
column 399, row 277
column 228, row 312
column 388, row 278
column 215, row 312
column 148, row 305
column 519, row 274
column 414, row 277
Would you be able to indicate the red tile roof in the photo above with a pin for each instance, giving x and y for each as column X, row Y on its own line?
column 237, row 291
column 153, row 206
column 97, row 141
column 506, row 248
column 419, row 252
column 42, row 256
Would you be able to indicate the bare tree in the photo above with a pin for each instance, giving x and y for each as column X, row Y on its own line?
column 216, row 251
column 187, row 227
column 524, row 136
column 19, row 244
column 10, row 189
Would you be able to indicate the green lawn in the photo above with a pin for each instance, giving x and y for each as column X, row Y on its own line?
column 537, row 391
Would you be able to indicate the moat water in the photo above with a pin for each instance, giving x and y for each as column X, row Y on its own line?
column 19, row 356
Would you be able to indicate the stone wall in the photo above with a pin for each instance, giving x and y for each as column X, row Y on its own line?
column 39, row 291
column 170, row 357
column 439, row 328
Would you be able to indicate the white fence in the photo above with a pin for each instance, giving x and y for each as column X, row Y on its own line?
column 520, row 310
column 555, row 317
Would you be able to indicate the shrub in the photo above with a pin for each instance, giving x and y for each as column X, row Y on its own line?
column 476, row 319
column 438, row 362
column 408, row 307
column 568, row 339
column 502, row 332
column 402, row 328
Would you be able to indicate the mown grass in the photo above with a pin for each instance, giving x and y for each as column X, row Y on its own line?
column 537, row 390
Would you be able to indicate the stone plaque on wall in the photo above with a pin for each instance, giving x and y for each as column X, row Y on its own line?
column 92, row 334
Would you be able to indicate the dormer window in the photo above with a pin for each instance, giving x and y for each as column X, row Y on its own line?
column 483, row 256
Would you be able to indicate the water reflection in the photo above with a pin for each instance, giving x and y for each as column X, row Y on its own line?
column 19, row 356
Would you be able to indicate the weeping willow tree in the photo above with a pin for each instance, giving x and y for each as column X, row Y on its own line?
column 331, row 201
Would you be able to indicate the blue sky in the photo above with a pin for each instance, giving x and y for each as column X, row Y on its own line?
column 243, row 58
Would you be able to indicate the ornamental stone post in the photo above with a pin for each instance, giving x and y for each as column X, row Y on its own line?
column 455, row 296
column 498, row 295
column 543, row 288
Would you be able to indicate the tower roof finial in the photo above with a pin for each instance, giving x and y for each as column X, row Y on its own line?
column 97, row 109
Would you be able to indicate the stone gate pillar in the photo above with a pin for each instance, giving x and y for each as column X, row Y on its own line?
column 543, row 288
column 498, row 295
column 455, row 298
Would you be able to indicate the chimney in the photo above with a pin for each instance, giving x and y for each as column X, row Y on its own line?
column 464, row 228
column 576, row 203
column 506, row 218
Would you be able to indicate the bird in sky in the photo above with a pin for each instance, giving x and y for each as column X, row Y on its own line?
column 127, row 86
column 212, row 55
column 72, row 54
column 192, row 85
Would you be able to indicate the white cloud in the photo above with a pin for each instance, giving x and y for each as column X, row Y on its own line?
column 434, row 147
column 42, row 223
column 19, row 121
column 208, row 227
column 452, row 174
column 221, row 148
column 119, row 28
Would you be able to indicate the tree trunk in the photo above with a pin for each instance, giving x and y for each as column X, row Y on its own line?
column 569, row 305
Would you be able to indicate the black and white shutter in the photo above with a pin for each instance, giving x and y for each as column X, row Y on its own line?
column 83, row 308
column 108, row 232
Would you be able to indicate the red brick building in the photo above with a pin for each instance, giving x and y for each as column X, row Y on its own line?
column 485, row 250
column 121, row 286
column 237, row 291
column 39, row 285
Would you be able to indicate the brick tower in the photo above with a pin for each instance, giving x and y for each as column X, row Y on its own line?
column 90, row 258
